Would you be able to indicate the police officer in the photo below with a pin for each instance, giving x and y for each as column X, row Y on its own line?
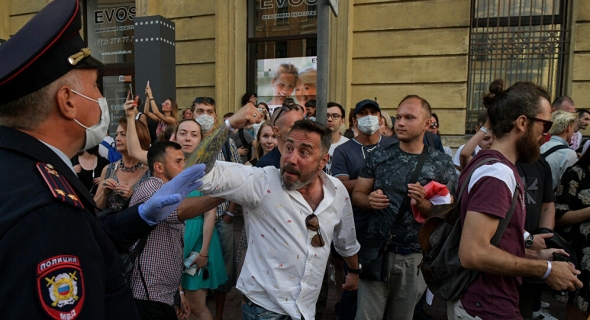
column 57, row 260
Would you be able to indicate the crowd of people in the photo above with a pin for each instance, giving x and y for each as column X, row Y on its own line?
column 143, row 228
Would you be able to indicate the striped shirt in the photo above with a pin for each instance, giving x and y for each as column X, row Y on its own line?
column 161, row 261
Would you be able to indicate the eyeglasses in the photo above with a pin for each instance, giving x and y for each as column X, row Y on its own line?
column 312, row 222
column 334, row 116
column 207, row 100
column 434, row 125
column 284, row 108
column 546, row 123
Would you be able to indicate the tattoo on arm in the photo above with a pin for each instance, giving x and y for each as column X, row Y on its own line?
column 209, row 148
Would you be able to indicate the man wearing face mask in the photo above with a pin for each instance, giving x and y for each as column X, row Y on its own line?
column 58, row 260
column 346, row 165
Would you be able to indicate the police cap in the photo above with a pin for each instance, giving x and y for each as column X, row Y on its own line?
column 42, row 51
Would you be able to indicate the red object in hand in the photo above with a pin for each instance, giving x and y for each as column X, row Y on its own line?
column 437, row 193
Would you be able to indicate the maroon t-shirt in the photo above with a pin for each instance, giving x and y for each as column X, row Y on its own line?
column 490, row 191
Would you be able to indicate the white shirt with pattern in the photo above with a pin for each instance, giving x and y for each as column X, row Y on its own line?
column 282, row 271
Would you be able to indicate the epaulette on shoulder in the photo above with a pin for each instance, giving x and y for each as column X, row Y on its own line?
column 59, row 186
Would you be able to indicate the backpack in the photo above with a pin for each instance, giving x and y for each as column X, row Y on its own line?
column 439, row 239
column 114, row 155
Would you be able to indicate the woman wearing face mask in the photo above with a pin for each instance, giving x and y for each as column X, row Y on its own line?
column 169, row 113
column 119, row 179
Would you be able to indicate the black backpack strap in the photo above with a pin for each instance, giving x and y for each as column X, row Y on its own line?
column 553, row 149
column 504, row 222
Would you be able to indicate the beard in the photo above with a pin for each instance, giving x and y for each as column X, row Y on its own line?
column 304, row 179
column 529, row 148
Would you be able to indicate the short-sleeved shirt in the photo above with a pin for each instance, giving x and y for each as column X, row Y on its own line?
column 560, row 159
column 537, row 181
column 391, row 167
column 347, row 161
column 333, row 147
column 490, row 191
column 273, row 158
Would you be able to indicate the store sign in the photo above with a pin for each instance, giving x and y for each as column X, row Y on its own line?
column 278, row 79
column 286, row 9
column 269, row 4
column 111, row 30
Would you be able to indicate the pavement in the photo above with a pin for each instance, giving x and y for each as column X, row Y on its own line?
column 437, row 310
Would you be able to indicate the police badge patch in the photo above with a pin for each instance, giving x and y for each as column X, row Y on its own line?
column 60, row 286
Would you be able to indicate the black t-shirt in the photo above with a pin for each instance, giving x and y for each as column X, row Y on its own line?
column 538, row 189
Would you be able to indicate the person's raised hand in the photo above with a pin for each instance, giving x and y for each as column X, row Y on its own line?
column 247, row 115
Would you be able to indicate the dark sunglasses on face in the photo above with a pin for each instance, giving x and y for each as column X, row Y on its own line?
column 434, row 125
column 207, row 100
column 312, row 222
column 546, row 123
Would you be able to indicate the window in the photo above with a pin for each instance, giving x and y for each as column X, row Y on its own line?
column 515, row 40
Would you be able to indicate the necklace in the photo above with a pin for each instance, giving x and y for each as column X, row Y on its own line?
column 368, row 150
column 129, row 169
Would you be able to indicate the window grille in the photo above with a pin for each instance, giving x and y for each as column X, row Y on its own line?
column 515, row 40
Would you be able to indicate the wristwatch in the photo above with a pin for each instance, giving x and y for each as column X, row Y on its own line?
column 528, row 241
column 356, row 271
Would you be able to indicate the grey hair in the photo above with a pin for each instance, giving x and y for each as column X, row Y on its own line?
column 30, row 111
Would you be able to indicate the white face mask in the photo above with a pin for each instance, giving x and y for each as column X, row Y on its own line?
column 368, row 124
column 206, row 121
column 97, row 132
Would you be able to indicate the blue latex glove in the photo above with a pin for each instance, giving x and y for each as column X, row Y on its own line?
column 171, row 194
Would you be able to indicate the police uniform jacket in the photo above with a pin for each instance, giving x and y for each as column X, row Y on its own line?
column 57, row 260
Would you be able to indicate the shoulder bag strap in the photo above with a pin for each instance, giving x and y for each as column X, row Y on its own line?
column 413, row 178
column 504, row 222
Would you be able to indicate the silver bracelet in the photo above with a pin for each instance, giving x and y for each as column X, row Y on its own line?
column 483, row 129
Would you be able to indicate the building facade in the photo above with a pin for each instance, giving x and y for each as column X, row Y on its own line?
column 447, row 51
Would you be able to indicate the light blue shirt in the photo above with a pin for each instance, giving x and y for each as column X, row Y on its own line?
column 559, row 160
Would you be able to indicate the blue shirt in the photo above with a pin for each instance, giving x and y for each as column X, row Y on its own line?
column 273, row 158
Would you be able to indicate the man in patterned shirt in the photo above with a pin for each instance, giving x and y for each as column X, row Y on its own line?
column 158, row 268
column 382, row 187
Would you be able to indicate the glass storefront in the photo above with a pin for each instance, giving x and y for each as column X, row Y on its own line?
column 109, row 30
column 282, row 50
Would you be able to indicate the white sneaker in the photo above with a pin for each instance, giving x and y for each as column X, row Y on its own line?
column 545, row 305
column 543, row 314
